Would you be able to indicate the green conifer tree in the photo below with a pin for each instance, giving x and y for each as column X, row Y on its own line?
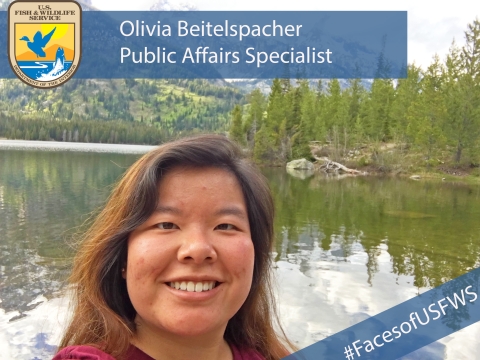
column 236, row 127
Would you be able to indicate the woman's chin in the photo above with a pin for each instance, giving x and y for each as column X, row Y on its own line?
column 192, row 332
column 188, row 326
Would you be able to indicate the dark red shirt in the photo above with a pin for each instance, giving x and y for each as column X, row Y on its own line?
column 84, row 352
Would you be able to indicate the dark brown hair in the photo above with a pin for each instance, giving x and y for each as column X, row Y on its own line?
column 103, row 314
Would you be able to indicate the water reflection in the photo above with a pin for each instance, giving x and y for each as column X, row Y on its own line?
column 34, row 336
column 345, row 249
column 44, row 198
column 431, row 229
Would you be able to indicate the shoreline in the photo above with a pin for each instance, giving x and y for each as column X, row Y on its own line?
column 74, row 146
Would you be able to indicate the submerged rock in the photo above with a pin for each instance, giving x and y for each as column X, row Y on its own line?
column 409, row 214
column 301, row 174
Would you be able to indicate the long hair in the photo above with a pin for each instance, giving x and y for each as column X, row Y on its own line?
column 103, row 314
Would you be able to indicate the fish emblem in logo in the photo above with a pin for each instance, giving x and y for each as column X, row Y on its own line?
column 44, row 41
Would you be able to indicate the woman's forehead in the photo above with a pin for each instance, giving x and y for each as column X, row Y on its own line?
column 211, row 183
column 200, row 175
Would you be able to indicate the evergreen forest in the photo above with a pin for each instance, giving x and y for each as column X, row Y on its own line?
column 430, row 118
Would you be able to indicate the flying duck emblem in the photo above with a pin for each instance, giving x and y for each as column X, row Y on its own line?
column 39, row 42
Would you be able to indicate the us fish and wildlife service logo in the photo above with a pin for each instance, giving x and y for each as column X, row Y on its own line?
column 44, row 41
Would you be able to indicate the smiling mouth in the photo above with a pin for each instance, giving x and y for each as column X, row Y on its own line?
column 192, row 286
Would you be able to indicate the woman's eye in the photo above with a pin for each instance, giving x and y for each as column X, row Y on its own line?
column 225, row 227
column 167, row 226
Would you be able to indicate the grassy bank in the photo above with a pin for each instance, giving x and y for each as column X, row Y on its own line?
column 399, row 160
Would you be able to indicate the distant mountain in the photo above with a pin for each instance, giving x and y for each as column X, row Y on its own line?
column 174, row 105
column 4, row 4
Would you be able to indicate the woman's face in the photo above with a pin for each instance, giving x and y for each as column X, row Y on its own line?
column 198, row 238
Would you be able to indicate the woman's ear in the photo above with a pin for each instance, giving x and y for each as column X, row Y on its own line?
column 124, row 271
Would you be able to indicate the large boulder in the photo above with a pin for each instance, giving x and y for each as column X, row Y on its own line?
column 300, row 164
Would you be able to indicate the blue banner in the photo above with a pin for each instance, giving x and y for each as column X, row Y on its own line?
column 243, row 44
column 404, row 328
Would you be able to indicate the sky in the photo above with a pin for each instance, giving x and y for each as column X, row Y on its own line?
column 431, row 25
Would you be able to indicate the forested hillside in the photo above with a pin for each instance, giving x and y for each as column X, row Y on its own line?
column 115, row 111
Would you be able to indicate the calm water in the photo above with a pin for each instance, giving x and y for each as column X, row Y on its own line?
column 346, row 249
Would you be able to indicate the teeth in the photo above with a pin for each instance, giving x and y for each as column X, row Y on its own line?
column 193, row 286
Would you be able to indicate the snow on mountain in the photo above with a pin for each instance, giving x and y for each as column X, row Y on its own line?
column 167, row 5
column 264, row 85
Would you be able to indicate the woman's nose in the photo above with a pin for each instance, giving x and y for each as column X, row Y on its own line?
column 197, row 247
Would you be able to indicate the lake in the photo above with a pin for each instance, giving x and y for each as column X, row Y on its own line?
column 346, row 249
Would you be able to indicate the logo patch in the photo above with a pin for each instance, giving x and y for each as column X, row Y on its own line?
column 44, row 41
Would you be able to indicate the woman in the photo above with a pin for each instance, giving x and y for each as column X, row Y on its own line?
column 177, row 265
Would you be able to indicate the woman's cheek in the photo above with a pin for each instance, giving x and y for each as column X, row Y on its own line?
column 245, row 254
column 142, row 259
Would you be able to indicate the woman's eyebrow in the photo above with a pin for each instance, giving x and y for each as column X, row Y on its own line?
column 168, row 209
column 232, row 210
